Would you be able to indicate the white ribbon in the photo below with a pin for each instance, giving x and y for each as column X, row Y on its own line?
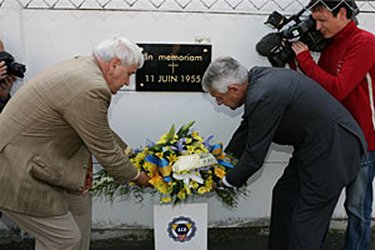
column 194, row 161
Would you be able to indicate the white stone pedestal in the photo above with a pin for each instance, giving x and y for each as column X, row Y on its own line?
column 180, row 227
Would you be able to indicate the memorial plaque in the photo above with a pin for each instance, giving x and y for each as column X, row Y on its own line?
column 173, row 67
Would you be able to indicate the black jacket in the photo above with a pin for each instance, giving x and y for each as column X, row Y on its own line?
column 288, row 108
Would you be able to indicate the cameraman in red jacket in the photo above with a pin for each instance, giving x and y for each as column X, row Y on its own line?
column 346, row 69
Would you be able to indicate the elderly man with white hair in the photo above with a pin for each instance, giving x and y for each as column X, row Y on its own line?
column 49, row 131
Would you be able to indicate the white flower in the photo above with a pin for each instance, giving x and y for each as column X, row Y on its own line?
column 186, row 177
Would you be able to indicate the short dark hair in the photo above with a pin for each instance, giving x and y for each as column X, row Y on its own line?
column 335, row 6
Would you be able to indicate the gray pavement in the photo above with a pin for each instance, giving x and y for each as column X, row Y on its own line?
column 218, row 239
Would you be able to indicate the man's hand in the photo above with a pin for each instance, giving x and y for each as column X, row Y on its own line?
column 218, row 185
column 142, row 180
column 299, row 47
column 5, row 87
column 222, row 184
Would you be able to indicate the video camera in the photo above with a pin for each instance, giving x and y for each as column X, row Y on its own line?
column 13, row 68
column 276, row 46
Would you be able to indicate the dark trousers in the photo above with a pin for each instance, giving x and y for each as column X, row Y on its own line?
column 305, row 197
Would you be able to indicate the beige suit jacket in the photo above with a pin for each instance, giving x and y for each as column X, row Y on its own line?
column 48, row 130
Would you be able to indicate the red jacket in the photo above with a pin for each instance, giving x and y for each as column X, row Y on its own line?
column 346, row 69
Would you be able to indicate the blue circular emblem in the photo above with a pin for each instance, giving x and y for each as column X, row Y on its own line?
column 181, row 229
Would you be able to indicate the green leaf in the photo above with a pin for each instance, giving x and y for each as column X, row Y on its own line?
column 184, row 130
column 157, row 148
column 171, row 133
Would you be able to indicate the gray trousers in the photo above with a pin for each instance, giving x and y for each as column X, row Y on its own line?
column 71, row 231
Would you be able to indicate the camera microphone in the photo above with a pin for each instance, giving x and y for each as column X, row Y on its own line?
column 269, row 44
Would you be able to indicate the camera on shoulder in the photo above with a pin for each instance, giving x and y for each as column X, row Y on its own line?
column 13, row 68
column 276, row 46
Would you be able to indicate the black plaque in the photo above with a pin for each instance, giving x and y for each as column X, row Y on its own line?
column 173, row 67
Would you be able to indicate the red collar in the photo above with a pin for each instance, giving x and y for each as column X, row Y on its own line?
column 346, row 31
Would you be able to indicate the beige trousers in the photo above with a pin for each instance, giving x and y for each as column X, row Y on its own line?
column 71, row 231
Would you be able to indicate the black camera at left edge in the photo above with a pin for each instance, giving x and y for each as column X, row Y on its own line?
column 13, row 68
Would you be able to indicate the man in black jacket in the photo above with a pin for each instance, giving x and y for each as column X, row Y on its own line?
column 288, row 108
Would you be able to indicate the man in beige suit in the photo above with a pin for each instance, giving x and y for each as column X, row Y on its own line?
column 49, row 130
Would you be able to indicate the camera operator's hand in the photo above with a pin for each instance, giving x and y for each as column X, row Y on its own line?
column 299, row 47
column 142, row 180
column 6, row 86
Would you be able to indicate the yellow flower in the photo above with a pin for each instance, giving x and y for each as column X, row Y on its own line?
column 191, row 149
column 203, row 190
column 188, row 140
column 138, row 159
column 198, row 151
column 159, row 184
column 172, row 159
column 181, row 195
column 219, row 172
column 209, row 183
column 159, row 154
column 163, row 188
column 194, row 184
column 187, row 189
column 140, row 156
column 163, row 139
column 196, row 136
column 166, row 199
column 135, row 163
column 175, row 139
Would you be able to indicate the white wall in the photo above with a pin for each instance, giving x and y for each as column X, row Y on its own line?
column 40, row 38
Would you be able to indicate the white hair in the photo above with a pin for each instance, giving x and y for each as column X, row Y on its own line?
column 128, row 52
column 223, row 72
